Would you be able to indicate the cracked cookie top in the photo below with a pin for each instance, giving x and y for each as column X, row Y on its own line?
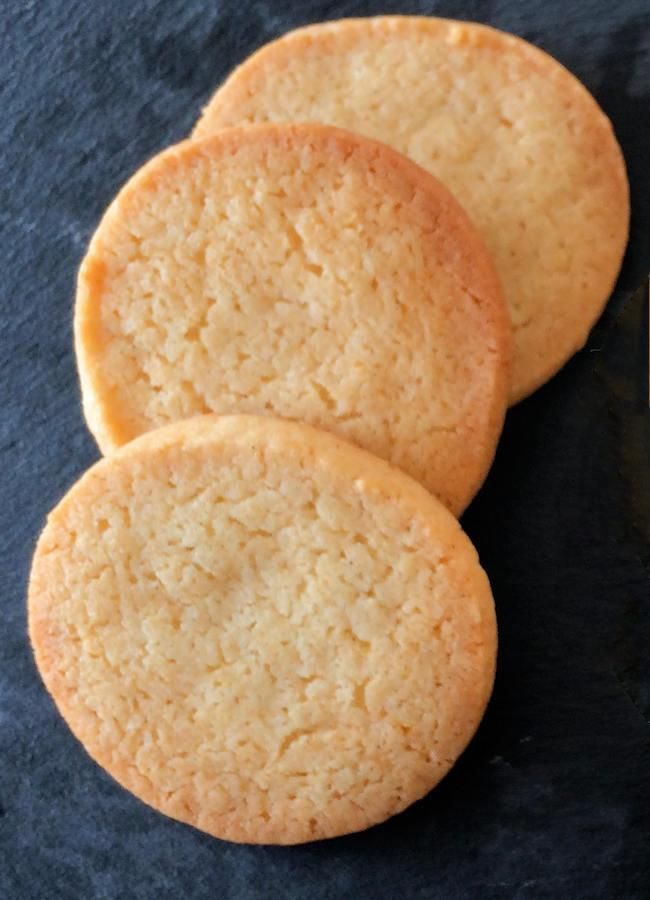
column 262, row 630
column 305, row 272
column 520, row 142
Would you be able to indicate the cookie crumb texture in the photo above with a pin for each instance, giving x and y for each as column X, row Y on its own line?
column 304, row 272
column 261, row 630
column 513, row 134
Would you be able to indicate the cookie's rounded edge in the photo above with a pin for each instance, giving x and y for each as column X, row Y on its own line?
column 476, row 34
column 369, row 474
column 472, row 268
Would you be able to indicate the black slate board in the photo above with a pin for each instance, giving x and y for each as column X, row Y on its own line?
column 552, row 799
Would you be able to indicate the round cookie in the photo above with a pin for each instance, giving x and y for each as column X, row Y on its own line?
column 304, row 272
column 262, row 630
column 513, row 134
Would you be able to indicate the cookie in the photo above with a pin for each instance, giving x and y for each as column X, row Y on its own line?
column 262, row 630
column 520, row 142
column 304, row 272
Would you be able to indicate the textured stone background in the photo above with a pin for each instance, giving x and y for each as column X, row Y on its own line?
column 552, row 800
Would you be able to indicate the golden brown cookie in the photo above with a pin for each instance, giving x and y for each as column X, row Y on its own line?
column 304, row 272
column 512, row 133
column 262, row 630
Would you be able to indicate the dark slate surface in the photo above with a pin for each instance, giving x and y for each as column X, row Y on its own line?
column 552, row 800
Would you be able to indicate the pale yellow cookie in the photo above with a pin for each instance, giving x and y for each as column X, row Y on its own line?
column 305, row 272
column 513, row 134
column 262, row 630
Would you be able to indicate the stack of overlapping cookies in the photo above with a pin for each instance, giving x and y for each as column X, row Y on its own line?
column 292, row 338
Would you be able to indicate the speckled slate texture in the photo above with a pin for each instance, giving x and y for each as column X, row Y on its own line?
column 552, row 800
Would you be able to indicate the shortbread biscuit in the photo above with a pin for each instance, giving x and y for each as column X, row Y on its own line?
column 304, row 272
column 262, row 630
column 520, row 142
